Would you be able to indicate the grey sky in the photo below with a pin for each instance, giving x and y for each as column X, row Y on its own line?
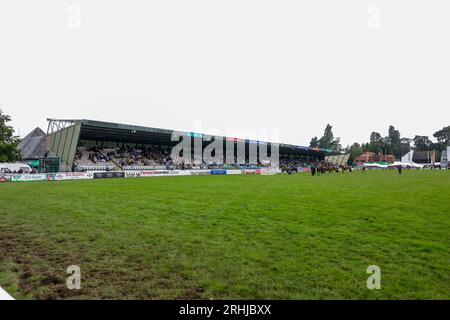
column 288, row 65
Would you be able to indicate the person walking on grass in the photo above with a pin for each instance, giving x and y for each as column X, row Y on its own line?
column 313, row 169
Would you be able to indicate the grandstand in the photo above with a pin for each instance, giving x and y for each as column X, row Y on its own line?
column 89, row 145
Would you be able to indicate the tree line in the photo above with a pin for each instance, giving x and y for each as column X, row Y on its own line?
column 393, row 143
column 9, row 143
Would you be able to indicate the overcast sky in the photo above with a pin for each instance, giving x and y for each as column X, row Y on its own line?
column 237, row 64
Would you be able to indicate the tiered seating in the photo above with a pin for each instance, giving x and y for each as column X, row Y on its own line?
column 84, row 167
column 91, row 159
column 97, row 158
column 149, row 158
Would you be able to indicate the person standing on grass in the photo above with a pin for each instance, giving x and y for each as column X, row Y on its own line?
column 399, row 169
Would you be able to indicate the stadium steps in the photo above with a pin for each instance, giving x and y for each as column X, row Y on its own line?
column 117, row 166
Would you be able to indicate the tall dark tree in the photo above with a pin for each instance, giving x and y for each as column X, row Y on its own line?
column 393, row 142
column 327, row 139
column 9, row 143
column 376, row 142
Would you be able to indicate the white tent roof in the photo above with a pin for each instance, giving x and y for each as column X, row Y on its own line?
column 378, row 165
column 395, row 164
column 407, row 164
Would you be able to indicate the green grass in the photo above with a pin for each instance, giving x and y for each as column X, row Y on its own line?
column 229, row 237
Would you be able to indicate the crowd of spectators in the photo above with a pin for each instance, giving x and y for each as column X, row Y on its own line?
column 154, row 157
column 94, row 158
column 294, row 165
column 92, row 155
column 146, row 157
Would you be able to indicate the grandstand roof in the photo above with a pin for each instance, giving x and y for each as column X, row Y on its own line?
column 99, row 130
column 33, row 145
column 37, row 132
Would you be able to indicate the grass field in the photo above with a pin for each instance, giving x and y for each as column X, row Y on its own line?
column 237, row 237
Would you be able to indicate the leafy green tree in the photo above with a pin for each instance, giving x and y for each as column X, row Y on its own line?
column 355, row 150
column 314, row 142
column 327, row 139
column 366, row 147
column 443, row 136
column 9, row 143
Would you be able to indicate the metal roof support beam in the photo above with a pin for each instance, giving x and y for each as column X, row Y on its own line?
column 55, row 125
